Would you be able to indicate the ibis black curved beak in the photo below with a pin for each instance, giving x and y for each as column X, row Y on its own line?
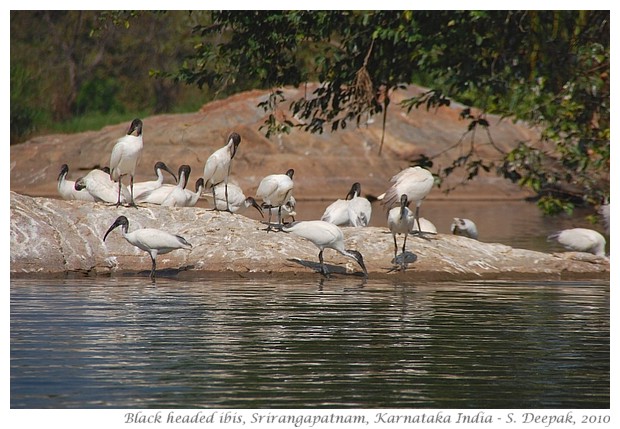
column 121, row 220
column 257, row 207
column 165, row 167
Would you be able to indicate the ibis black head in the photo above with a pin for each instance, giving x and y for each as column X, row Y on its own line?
column 120, row 221
column 360, row 260
column 159, row 165
column 236, row 139
column 79, row 184
column 136, row 125
column 290, row 172
column 200, row 183
column 184, row 171
column 64, row 169
column 356, row 190
column 106, row 170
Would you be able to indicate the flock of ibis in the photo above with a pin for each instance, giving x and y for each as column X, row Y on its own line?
column 411, row 185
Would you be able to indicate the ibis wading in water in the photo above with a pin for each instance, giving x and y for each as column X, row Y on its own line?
column 218, row 166
column 151, row 240
column 415, row 182
column 324, row 235
column 275, row 191
column 401, row 221
column 125, row 156
column 580, row 240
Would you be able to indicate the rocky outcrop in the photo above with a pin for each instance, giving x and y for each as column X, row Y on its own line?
column 56, row 237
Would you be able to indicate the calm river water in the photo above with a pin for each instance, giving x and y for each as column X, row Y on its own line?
column 226, row 342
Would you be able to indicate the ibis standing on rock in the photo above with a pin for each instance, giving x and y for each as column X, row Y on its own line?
column 218, row 166
column 275, row 190
column 580, row 240
column 324, row 235
column 415, row 183
column 178, row 197
column 125, row 157
column 151, row 240
column 401, row 221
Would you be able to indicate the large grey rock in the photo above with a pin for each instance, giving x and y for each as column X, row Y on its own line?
column 50, row 236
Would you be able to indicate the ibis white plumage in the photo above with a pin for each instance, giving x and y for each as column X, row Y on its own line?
column 324, row 235
column 151, row 240
column 464, row 227
column 237, row 201
column 103, row 189
column 125, row 157
column 401, row 221
column 426, row 225
column 66, row 188
column 142, row 187
column 218, row 166
column 415, row 183
column 354, row 210
column 286, row 210
column 580, row 240
column 178, row 197
column 194, row 196
column 275, row 190
column 159, row 195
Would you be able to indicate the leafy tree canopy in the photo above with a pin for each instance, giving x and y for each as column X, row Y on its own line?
column 549, row 68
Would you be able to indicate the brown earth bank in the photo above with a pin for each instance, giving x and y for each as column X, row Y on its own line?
column 325, row 164
column 52, row 237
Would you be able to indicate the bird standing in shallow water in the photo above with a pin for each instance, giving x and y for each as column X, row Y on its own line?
column 218, row 166
column 464, row 227
column 125, row 156
column 275, row 191
column 324, row 235
column 151, row 240
column 580, row 240
column 401, row 221
column 415, row 182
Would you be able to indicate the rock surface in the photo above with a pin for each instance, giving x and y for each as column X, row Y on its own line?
column 56, row 237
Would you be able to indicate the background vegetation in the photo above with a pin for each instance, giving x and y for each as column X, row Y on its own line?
column 549, row 68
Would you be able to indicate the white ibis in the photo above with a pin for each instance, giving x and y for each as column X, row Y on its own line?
column 218, row 166
column 354, row 210
column 178, row 197
column 275, row 190
column 66, row 188
column 324, row 235
column 103, row 189
column 287, row 210
column 464, row 227
column 151, row 240
column 141, row 187
column 580, row 240
column 193, row 197
column 415, row 182
column 125, row 156
column 159, row 195
column 237, row 201
column 427, row 226
column 401, row 221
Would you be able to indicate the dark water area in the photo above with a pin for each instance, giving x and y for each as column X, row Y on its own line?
column 123, row 342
